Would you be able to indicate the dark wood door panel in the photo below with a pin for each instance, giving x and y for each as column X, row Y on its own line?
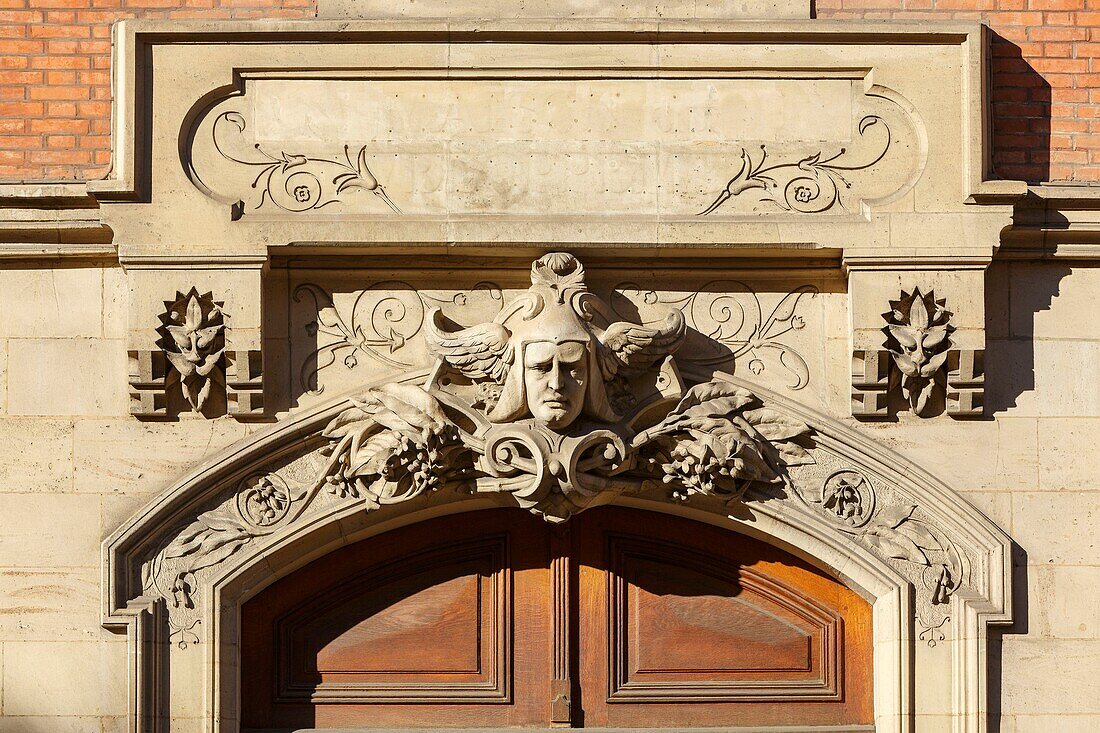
column 432, row 627
column 416, row 627
column 620, row 618
column 685, row 624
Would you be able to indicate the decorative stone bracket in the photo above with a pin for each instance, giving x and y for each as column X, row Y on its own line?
column 919, row 364
column 193, row 356
column 195, row 352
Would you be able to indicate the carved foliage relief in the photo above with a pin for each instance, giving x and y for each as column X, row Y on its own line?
column 555, row 404
column 427, row 146
column 920, row 360
column 730, row 326
column 192, row 364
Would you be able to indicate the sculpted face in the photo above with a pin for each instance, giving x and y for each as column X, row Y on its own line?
column 554, row 378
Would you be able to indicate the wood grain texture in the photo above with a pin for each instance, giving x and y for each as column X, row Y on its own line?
column 622, row 618
column 444, row 621
column 685, row 624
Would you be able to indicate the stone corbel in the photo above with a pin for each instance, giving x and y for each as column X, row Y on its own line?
column 195, row 340
column 918, row 341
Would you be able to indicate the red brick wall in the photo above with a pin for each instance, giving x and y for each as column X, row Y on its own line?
column 1046, row 77
column 55, row 88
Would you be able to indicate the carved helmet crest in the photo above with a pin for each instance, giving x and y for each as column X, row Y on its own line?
column 557, row 308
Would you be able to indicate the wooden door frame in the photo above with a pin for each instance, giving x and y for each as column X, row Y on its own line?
column 202, row 660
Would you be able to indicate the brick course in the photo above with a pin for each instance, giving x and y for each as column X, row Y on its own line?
column 55, row 86
column 1046, row 77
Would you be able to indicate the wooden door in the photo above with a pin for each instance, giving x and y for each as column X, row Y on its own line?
column 616, row 618
column 441, row 623
column 685, row 624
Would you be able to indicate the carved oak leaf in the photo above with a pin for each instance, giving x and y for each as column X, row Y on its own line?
column 893, row 516
column 346, row 422
column 369, row 459
column 209, row 540
column 895, row 545
column 630, row 349
column 406, row 408
column 781, row 432
column 707, row 400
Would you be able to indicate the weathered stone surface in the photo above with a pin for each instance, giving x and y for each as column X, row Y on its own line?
column 38, row 455
column 1062, row 603
column 1057, row 527
column 124, row 456
column 61, row 303
column 1075, row 664
column 50, row 530
column 49, row 605
column 66, row 377
column 671, row 9
column 681, row 163
column 78, row 678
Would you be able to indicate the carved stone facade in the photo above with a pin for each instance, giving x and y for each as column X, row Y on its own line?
column 745, row 275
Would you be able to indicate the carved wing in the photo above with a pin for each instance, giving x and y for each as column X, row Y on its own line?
column 480, row 351
column 629, row 349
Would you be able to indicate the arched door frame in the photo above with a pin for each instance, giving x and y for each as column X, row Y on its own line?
column 182, row 624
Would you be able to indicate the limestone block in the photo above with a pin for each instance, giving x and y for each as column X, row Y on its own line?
column 971, row 456
column 51, row 303
column 1057, row 527
column 1067, row 722
column 49, row 530
column 1054, row 378
column 116, row 301
column 66, row 723
column 237, row 289
column 738, row 9
column 3, row 376
column 1051, row 676
column 997, row 289
column 1062, row 602
column 71, row 678
column 125, row 456
column 1045, row 303
column 37, row 455
column 1067, row 451
column 997, row 505
column 66, row 377
column 50, row 605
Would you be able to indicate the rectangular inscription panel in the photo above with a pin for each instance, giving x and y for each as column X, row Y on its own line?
column 656, row 111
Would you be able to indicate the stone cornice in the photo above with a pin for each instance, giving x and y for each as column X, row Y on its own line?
column 1055, row 221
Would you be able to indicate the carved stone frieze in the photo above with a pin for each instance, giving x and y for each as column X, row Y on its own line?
column 377, row 325
column 291, row 181
column 728, row 323
column 898, row 529
column 556, row 405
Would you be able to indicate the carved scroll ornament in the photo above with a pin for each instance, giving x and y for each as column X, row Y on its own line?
column 808, row 185
column 553, row 406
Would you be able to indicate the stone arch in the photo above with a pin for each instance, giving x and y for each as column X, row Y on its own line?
column 935, row 570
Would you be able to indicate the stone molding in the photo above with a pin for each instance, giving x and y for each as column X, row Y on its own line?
column 879, row 522
column 555, row 406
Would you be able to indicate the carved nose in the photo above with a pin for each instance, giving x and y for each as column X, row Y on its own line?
column 556, row 382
